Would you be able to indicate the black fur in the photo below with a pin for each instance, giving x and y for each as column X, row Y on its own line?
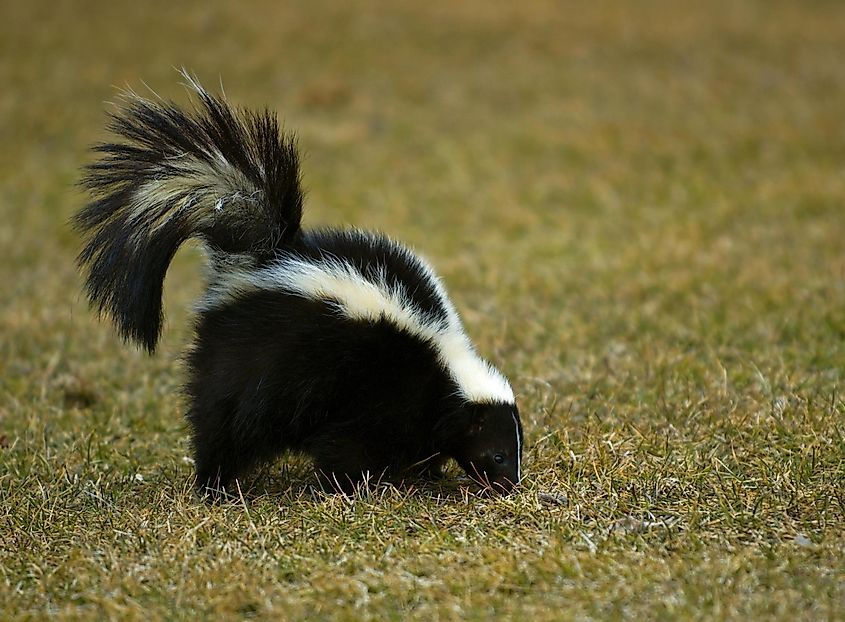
column 272, row 369
column 125, row 279
column 355, row 396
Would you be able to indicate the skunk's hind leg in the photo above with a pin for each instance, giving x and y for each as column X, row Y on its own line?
column 215, row 458
column 223, row 450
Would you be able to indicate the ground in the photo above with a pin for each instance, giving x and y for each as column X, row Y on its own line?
column 638, row 210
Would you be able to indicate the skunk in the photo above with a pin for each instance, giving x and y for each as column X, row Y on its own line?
column 338, row 343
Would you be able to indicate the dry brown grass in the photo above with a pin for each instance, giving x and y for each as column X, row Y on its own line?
column 638, row 207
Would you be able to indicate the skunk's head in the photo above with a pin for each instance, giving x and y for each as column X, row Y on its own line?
column 489, row 447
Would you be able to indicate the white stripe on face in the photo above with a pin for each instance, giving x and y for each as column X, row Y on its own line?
column 518, row 449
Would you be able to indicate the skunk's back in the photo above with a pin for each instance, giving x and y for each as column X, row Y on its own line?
column 369, row 278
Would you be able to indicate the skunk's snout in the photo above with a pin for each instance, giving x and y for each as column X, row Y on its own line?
column 499, row 483
column 503, row 486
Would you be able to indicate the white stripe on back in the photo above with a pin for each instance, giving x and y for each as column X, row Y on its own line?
column 363, row 299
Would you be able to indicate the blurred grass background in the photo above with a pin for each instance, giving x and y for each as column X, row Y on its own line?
column 638, row 208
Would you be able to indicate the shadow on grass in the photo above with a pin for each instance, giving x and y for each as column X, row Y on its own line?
column 293, row 478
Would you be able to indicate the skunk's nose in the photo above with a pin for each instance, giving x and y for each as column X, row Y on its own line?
column 503, row 486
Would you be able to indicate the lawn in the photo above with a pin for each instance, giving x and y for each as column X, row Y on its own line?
column 639, row 210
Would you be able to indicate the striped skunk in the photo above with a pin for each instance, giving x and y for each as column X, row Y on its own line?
column 338, row 343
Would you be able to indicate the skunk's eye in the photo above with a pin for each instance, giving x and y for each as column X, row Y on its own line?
column 498, row 458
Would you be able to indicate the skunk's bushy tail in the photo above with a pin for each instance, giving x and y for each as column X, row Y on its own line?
column 226, row 176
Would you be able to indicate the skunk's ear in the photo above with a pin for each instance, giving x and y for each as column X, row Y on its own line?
column 455, row 429
column 477, row 416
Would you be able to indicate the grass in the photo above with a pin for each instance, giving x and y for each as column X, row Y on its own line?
column 638, row 208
